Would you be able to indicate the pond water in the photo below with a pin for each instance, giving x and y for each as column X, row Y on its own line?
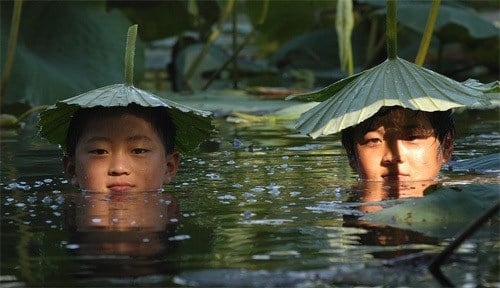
column 266, row 207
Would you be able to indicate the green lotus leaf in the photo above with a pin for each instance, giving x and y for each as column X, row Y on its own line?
column 442, row 212
column 395, row 82
column 193, row 126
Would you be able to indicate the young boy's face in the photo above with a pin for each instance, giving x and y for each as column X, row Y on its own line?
column 400, row 145
column 120, row 152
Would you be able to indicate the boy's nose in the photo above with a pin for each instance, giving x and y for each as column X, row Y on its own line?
column 119, row 165
column 393, row 152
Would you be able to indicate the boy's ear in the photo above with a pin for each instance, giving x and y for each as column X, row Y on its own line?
column 173, row 161
column 69, row 169
column 447, row 148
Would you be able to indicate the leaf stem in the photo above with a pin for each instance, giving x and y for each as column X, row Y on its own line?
column 206, row 47
column 11, row 47
column 129, row 54
column 391, row 30
column 429, row 28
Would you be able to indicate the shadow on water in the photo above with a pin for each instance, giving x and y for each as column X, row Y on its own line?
column 264, row 207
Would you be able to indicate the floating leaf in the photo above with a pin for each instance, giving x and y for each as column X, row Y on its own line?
column 442, row 213
column 395, row 82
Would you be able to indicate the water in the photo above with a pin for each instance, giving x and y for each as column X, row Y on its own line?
column 267, row 207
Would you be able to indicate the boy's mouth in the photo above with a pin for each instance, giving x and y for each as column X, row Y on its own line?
column 120, row 187
column 396, row 176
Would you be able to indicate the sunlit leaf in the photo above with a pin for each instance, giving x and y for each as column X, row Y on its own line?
column 395, row 82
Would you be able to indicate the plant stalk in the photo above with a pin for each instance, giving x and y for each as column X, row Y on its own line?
column 242, row 45
column 11, row 47
column 391, row 30
column 130, row 54
column 211, row 39
column 426, row 38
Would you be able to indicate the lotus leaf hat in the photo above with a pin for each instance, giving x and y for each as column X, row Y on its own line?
column 193, row 126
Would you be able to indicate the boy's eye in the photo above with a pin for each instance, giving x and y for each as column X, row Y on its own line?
column 414, row 137
column 139, row 151
column 372, row 141
column 98, row 151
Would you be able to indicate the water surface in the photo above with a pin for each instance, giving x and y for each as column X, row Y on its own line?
column 264, row 207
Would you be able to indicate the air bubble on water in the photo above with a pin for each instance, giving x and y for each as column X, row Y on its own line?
column 174, row 220
column 247, row 214
column 179, row 237
column 60, row 199
column 145, row 240
column 57, row 214
column 248, row 195
column 237, row 185
column 257, row 189
column 285, row 157
column 294, row 193
column 261, row 257
column 213, row 176
column 33, row 215
column 20, row 204
column 56, row 191
column 54, row 207
column 46, row 200
column 231, row 162
column 72, row 246
column 48, row 221
column 96, row 220
column 273, row 186
column 10, row 199
column 31, row 199
column 226, row 197
column 274, row 192
column 284, row 165
column 48, row 181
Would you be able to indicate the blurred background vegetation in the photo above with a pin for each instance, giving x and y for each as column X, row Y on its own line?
column 65, row 48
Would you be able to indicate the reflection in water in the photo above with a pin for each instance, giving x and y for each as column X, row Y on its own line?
column 370, row 194
column 122, row 234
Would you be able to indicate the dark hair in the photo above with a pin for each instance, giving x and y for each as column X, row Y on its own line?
column 157, row 116
column 441, row 121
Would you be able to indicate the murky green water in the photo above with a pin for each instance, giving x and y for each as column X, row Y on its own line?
column 266, row 208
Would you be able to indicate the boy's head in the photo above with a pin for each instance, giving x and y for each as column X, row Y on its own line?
column 121, row 149
column 400, row 144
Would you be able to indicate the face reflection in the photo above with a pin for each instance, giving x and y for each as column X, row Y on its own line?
column 372, row 192
column 120, row 153
column 399, row 146
column 123, row 223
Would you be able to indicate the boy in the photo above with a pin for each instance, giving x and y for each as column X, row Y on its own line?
column 400, row 144
column 121, row 149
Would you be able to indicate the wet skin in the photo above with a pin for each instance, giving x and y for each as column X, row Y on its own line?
column 120, row 153
column 402, row 150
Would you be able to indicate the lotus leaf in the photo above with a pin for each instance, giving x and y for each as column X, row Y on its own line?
column 395, row 82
